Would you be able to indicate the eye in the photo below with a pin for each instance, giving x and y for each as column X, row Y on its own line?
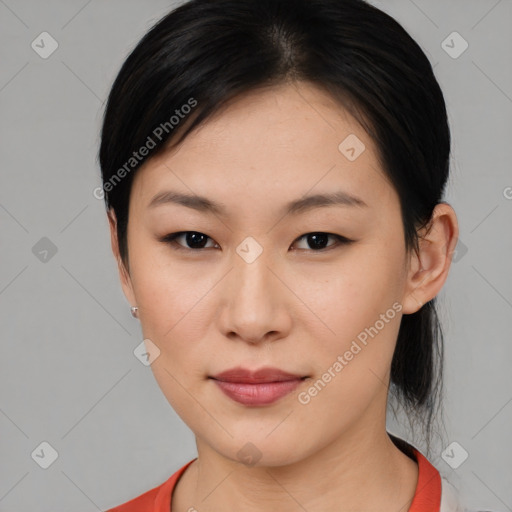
column 318, row 240
column 197, row 241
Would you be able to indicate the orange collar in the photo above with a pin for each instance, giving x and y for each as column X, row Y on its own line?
column 427, row 497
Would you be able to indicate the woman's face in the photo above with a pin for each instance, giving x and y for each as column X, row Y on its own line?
column 250, row 290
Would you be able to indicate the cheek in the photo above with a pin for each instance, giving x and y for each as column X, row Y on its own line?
column 172, row 316
column 352, row 358
column 356, row 321
column 168, row 293
column 347, row 295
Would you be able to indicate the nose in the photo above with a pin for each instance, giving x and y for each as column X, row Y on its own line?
column 256, row 301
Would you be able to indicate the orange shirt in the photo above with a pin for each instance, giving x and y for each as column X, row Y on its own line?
column 427, row 497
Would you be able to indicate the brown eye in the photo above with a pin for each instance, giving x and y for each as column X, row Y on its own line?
column 318, row 241
column 193, row 240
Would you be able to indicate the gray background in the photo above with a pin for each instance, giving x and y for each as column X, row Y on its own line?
column 68, row 375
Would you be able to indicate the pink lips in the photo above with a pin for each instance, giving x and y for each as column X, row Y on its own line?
column 257, row 388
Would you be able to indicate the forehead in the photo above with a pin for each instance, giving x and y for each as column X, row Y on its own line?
column 283, row 141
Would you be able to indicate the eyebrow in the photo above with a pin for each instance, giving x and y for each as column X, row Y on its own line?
column 298, row 206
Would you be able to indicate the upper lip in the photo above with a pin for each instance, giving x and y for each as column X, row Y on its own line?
column 267, row 374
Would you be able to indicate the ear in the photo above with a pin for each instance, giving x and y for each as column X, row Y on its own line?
column 428, row 267
column 124, row 274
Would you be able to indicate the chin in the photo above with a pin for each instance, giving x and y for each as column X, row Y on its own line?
column 262, row 451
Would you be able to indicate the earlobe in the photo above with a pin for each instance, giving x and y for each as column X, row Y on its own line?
column 429, row 266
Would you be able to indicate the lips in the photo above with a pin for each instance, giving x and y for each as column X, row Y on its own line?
column 267, row 374
column 261, row 387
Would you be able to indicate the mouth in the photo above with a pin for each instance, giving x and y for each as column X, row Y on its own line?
column 258, row 388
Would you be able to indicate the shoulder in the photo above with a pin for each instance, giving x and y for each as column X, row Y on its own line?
column 157, row 499
column 143, row 503
column 432, row 486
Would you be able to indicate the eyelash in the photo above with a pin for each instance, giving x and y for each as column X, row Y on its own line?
column 170, row 239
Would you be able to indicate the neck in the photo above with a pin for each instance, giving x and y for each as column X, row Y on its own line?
column 363, row 470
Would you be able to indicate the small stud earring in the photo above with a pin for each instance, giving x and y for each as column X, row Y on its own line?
column 134, row 311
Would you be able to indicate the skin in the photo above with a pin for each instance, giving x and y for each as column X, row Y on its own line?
column 295, row 307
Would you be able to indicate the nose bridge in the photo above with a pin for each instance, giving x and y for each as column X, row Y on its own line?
column 254, row 305
column 252, row 273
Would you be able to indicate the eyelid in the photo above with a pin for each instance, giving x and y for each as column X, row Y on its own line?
column 171, row 237
column 340, row 241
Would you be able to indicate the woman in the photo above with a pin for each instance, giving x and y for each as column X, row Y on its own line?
column 238, row 135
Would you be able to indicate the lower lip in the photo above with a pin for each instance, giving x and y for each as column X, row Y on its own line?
column 257, row 394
